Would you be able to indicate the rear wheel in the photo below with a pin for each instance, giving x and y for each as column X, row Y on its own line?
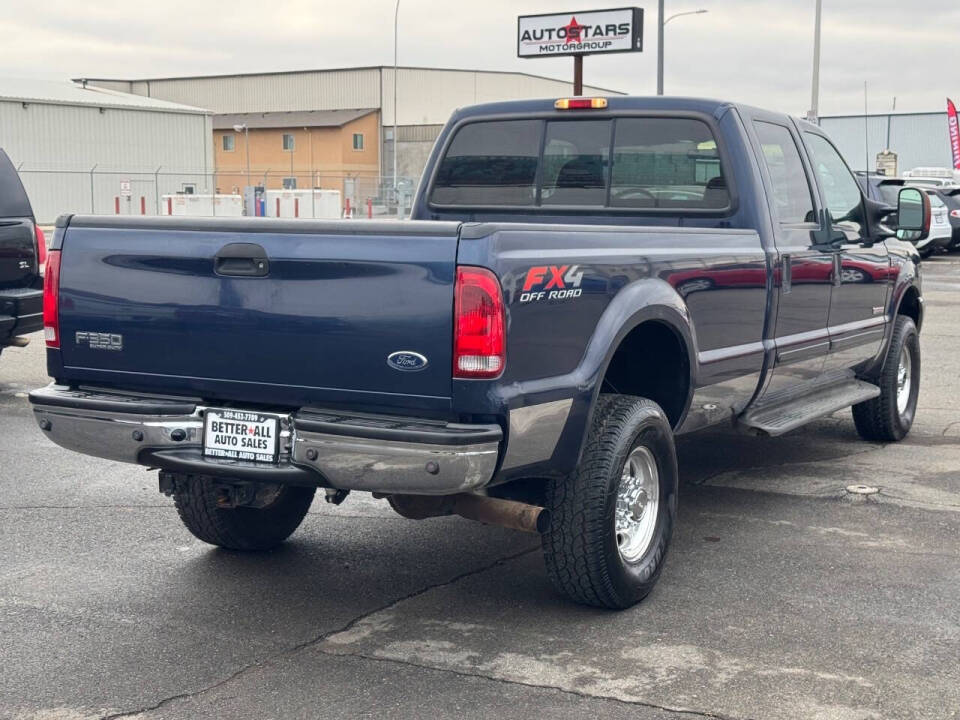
column 278, row 512
column 612, row 518
column 889, row 417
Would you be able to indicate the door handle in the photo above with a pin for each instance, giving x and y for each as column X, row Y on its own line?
column 241, row 260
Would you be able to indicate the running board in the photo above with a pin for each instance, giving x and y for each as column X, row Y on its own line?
column 783, row 417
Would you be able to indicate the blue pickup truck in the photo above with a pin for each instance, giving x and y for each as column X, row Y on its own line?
column 581, row 280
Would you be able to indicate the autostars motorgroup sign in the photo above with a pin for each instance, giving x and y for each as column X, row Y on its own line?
column 580, row 33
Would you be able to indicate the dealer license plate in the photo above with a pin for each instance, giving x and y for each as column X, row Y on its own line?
column 241, row 435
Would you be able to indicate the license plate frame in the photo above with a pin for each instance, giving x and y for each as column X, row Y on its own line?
column 254, row 423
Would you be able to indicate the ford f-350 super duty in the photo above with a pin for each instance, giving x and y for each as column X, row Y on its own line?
column 581, row 280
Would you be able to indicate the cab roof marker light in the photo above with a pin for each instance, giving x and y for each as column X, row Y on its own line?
column 580, row 103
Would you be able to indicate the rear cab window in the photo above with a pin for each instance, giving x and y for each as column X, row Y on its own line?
column 633, row 164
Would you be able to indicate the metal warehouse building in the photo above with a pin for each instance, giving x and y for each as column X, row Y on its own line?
column 77, row 148
column 295, row 138
column 919, row 139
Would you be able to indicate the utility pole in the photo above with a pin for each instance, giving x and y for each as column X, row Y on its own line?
column 396, row 16
column 866, row 132
column 660, row 24
column 814, row 113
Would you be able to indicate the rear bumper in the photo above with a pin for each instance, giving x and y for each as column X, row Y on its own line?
column 319, row 448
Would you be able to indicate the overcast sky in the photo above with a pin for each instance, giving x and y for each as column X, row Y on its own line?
column 755, row 51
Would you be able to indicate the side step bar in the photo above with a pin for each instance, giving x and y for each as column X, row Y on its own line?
column 790, row 413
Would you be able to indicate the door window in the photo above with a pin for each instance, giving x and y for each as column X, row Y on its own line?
column 840, row 189
column 791, row 192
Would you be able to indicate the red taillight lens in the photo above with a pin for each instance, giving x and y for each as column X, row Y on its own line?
column 480, row 338
column 41, row 247
column 51, row 300
column 955, row 213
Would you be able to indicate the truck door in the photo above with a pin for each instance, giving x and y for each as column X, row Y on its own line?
column 803, row 270
column 861, row 275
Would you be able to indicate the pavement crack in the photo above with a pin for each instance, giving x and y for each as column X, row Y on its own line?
column 687, row 712
column 294, row 649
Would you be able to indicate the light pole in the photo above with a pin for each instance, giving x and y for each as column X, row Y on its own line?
column 661, row 22
column 396, row 16
column 246, row 144
column 815, row 90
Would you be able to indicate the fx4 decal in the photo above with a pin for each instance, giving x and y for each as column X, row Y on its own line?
column 552, row 282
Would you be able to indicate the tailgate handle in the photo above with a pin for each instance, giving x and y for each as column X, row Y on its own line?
column 241, row 260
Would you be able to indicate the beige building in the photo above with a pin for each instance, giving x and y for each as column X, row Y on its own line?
column 331, row 149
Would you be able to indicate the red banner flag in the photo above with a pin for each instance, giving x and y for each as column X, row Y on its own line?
column 954, row 133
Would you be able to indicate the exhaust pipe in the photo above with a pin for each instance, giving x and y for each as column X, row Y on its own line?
column 20, row 341
column 492, row 511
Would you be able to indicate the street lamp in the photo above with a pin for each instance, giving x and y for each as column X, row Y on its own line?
column 246, row 142
column 396, row 16
column 660, row 24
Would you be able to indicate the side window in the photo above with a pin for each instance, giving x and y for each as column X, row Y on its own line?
column 490, row 163
column 575, row 159
column 791, row 192
column 840, row 189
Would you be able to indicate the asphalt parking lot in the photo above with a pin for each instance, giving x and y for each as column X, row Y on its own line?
column 783, row 597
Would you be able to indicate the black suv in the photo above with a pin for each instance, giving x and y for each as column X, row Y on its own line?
column 22, row 253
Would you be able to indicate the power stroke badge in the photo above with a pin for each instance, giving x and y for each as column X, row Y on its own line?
column 552, row 282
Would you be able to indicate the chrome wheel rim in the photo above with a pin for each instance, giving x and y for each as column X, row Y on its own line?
column 638, row 500
column 904, row 380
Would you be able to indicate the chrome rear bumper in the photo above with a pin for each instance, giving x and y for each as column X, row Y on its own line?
column 375, row 453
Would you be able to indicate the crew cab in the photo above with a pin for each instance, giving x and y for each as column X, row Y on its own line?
column 22, row 253
column 582, row 280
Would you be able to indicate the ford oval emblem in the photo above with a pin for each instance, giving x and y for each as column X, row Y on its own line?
column 407, row 361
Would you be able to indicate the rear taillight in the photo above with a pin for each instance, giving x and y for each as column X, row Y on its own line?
column 479, row 325
column 41, row 247
column 955, row 213
column 51, row 300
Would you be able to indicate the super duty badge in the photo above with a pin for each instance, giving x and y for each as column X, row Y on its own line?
column 99, row 340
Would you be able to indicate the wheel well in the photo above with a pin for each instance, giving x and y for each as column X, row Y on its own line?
column 910, row 306
column 651, row 362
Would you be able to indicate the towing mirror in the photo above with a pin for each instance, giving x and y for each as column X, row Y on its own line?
column 913, row 214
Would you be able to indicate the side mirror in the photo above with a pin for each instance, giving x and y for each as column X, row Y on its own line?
column 913, row 214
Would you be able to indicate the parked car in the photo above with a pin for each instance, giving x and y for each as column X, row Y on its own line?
column 22, row 252
column 881, row 188
column 932, row 176
column 519, row 352
column 951, row 198
column 941, row 231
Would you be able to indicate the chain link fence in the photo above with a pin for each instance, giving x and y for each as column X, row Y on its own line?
column 272, row 193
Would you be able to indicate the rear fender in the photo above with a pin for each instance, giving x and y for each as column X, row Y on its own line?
column 642, row 301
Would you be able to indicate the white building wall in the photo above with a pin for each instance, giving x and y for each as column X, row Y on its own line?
column 55, row 147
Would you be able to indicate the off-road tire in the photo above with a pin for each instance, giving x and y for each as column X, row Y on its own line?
column 239, row 528
column 580, row 547
column 879, row 419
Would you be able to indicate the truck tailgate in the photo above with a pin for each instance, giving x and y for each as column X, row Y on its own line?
column 314, row 326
